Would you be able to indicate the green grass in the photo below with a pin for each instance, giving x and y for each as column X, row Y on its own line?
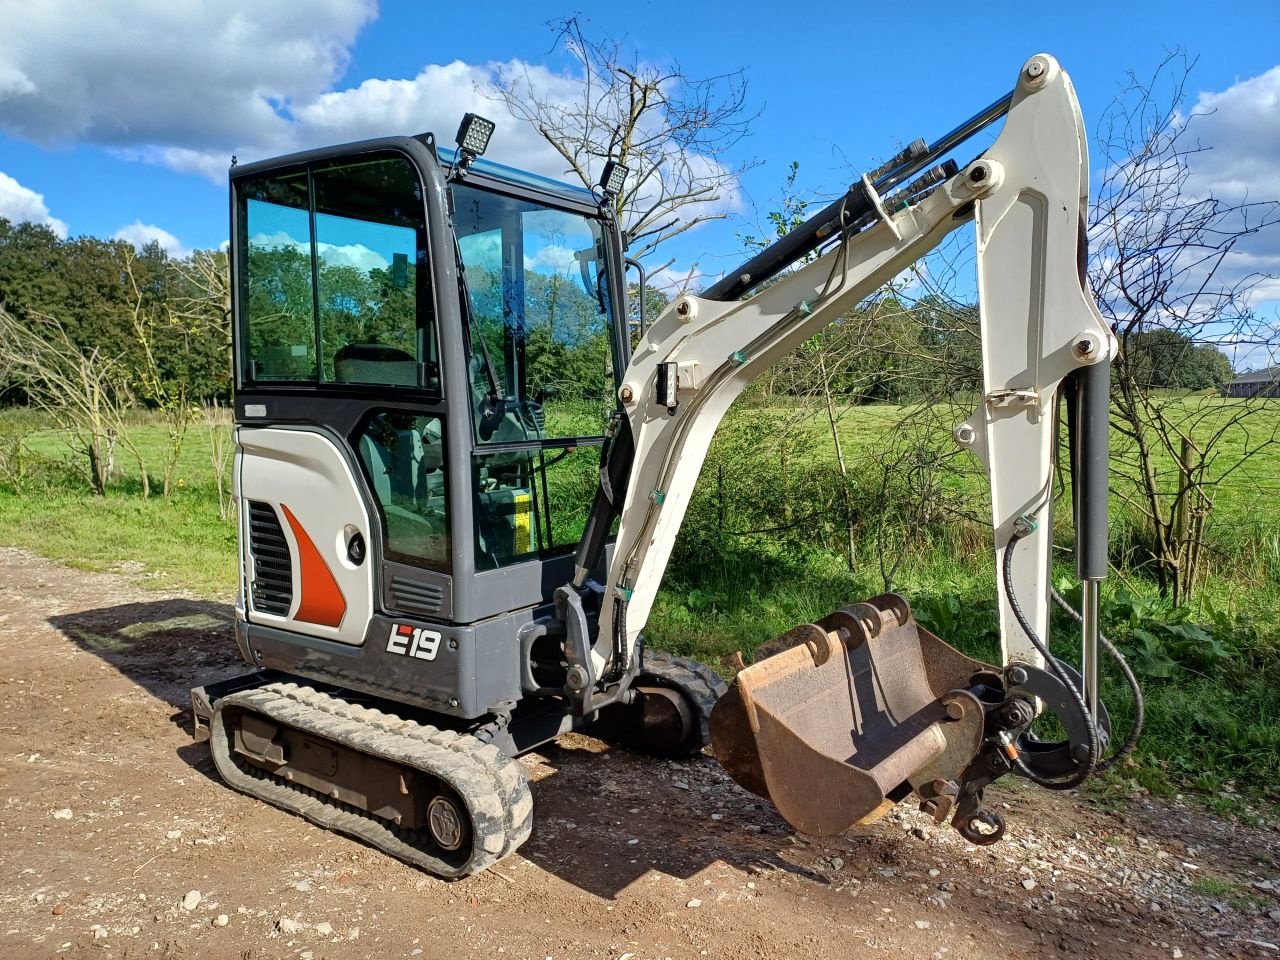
column 1234, row 895
column 1213, row 725
column 179, row 544
column 1243, row 533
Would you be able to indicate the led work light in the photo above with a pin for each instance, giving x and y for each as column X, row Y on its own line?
column 613, row 177
column 473, row 135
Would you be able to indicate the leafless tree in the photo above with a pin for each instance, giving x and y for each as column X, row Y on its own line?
column 198, row 303
column 201, row 301
column 1163, row 257
column 674, row 132
column 170, row 397
column 219, row 425
column 85, row 392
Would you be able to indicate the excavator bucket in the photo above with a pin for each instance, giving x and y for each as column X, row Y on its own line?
column 838, row 720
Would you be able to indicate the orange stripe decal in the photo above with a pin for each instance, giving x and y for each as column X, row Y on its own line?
column 322, row 601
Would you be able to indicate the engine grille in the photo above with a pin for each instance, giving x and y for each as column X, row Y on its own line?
column 272, row 565
column 420, row 598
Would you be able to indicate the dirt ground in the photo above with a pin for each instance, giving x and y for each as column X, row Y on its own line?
column 118, row 840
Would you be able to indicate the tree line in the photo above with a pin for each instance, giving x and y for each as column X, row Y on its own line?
column 92, row 329
column 165, row 322
column 124, row 303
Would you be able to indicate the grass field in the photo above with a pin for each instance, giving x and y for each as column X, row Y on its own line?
column 750, row 565
column 179, row 544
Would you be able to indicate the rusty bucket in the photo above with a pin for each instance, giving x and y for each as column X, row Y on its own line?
column 838, row 720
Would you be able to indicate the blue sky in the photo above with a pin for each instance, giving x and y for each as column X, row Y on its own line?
column 119, row 118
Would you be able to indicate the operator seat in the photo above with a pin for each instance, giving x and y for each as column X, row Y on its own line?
column 375, row 363
column 393, row 458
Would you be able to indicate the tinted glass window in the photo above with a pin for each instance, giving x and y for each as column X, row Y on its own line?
column 280, row 308
column 370, row 253
column 540, row 364
column 538, row 313
column 532, row 502
column 344, row 246
column 403, row 459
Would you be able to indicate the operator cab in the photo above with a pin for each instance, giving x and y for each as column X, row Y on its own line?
column 427, row 348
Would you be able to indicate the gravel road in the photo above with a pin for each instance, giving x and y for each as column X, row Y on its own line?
column 118, row 840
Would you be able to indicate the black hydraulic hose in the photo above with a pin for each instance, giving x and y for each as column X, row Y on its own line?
column 1139, row 703
column 1087, row 768
column 855, row 204
column 620, row 661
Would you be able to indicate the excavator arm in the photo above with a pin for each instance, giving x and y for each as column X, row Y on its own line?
column 1041, row 336
column 1026, row 195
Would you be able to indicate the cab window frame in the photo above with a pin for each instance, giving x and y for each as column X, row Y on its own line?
column 427, row 308
column 546, row 543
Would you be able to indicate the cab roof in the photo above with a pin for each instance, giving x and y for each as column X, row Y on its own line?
column 500, row 171
column 446, row 156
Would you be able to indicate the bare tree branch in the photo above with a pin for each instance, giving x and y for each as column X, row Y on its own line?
column 673, row 131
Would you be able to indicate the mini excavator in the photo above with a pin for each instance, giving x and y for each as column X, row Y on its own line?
column 459, row 482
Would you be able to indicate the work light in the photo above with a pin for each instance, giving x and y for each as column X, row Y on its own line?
column 473, row 134
column 613, row 177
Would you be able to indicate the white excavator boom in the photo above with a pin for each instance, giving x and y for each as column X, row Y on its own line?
column 1026, row 195
column 840, row 719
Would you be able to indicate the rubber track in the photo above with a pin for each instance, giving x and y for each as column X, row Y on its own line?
column 699, row 682
column 492, row 786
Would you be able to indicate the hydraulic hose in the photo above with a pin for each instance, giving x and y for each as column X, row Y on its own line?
column 1139, row 704
column 1087, row 768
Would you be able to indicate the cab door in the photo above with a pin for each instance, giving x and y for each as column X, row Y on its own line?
column 338, row 460
column 304, row 534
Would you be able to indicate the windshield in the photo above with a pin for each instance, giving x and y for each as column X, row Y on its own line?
column 538, row 324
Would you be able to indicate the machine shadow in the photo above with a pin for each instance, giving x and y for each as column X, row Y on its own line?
column 606, row 817
column 165, row 646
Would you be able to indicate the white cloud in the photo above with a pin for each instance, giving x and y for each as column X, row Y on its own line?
column 1228, row 145
column 335, row 255
column 278, row 241
column 187, row 85
column 13, row 81
column 19, row 204
column 434, row 100
column 140, row 234
column 1241, row 128
column 1251, row 357
column 351, row 255
column 142, row 73
column 553, row 258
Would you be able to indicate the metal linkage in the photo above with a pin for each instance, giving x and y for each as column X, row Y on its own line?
column 851, row 208
column 911, row 194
